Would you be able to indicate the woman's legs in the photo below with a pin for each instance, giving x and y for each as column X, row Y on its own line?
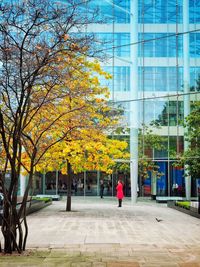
column 120, row 202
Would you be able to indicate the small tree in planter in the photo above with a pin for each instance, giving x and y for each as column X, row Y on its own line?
column 191, row 157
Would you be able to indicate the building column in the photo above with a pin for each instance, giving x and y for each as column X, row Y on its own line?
column 84, row 182
column 43, row 183
column 22, row 184
column 98, row 181
column 186, row 84
column 57, row 174
column 134, row 104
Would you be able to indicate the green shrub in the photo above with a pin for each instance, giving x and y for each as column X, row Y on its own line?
column 45, row 199
column 184, row 204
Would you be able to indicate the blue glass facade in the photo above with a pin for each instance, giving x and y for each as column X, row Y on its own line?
column 160, row 11
column 160, row 45
column 194, row 14
column 120, row 81
column 120, row 42
column 195, row 45
column 157, row 79
column 161, row 73
column 111, row 12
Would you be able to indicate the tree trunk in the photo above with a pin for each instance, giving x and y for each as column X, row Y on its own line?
column 10, row 223
column 69, row 182
column 9, row 228
column 199, row 203
column 68, row 208
column 14, row 225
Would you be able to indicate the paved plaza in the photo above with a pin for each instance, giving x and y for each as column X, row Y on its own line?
column 98, row 233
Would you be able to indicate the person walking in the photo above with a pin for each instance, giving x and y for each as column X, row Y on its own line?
column 120, row 194
column 101, row 188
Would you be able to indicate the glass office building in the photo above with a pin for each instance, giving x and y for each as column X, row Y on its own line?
column 153, row 54
column 154, row 58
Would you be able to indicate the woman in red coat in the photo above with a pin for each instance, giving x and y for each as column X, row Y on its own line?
column 120, row 193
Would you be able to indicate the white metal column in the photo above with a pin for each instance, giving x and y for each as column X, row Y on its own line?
column 22, row 184
column 43, row 183
column 57, row 174
column 134, row 104
column 98, row 182
column 186, row 82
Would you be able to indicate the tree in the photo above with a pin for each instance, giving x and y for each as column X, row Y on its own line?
column 81, row 119
column 192, row 155
column 35, row 38
column 197, row 86
column 190, row 158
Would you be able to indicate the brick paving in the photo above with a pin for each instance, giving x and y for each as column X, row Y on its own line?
column 98, row 233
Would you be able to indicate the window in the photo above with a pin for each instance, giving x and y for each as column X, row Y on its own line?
column 160, row 79
column 106, row 42
column 107, row 12
column 120, row 80
column 195, row 45
column 159, row 45
column 194, row 11
column 160, row 11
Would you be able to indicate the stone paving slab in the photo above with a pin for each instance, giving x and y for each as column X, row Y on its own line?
column 97, row 233
column 59, row 257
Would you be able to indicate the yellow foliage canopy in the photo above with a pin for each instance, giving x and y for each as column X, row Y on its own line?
column 69, row 120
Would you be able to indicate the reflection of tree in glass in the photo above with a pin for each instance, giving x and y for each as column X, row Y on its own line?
column 148, row 141
column 197, row 86
column 192, row 156
column 169, row 115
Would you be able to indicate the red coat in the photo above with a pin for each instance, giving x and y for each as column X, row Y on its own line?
column 119, row 189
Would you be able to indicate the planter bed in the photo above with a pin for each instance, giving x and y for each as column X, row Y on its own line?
column 35, row 206
column 191, row 211
column 53, row 197
column 165, row 199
